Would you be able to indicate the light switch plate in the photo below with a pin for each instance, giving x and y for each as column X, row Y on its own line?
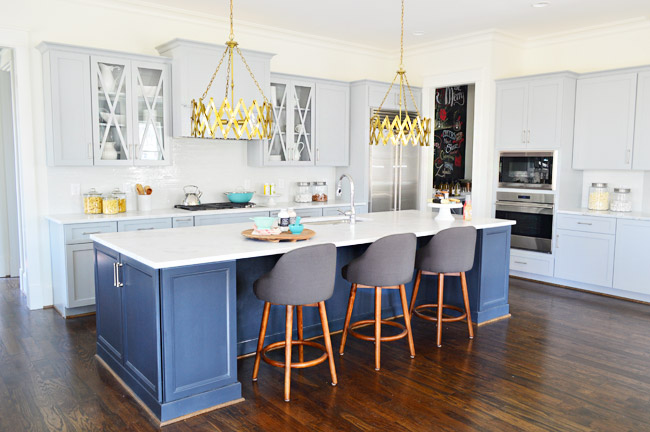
column 75, row 189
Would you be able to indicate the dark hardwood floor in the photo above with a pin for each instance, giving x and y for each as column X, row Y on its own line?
column 565, row 361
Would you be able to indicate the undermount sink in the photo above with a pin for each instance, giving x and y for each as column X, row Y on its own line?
column 331, row 220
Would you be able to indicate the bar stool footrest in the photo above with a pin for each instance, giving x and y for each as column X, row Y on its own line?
column 357, row 324
column 294, row 365
column 418, row 311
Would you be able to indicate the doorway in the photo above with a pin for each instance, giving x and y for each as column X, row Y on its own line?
column 9, row 219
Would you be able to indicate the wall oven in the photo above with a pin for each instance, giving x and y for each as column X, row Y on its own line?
column 527, row 170
column 533, row 213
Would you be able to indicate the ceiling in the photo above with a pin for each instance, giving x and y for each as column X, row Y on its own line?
column 376, row 22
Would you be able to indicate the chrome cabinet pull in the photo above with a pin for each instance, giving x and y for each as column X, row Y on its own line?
column 90, row 149
column 90, row 233
column 145, row 229
column 557, row 241
column 584, row 223
column 528, row 137
column 317, row 155
column 521, row 262
column 117, row 273
column 184, row 220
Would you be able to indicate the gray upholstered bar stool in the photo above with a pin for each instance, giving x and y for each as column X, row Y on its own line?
column 386, row 264
column 302, row 277
column 449, row 253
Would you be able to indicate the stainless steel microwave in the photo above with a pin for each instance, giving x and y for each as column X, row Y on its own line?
column 527, row 170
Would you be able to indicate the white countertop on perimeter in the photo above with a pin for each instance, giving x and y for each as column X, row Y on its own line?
column 199, row 245
column 606, row 213
column 74, row 218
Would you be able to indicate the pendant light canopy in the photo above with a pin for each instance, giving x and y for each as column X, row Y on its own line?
column 403, row 128
column 252, row 121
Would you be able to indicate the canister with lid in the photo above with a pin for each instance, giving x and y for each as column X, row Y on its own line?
column 303, row 192
column 110, row 204
column 92, row 202
column 621, row 200
column 598, row 196
column 319, row 191
column 121, row 199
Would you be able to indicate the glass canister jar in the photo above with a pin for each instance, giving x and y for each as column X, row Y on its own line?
column 621, row 200
column 92, row 202
column 598, row 196
column 110, row 204
column 121, row 200
column 303, row 192
column 319, row 191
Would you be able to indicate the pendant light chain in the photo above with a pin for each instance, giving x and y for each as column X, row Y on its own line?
column 401, row 41
column 232, row 27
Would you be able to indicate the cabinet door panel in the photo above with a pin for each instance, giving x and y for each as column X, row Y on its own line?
column 332, row 124
column 182, row 222
column 141, row 323
column 226, row 219
column 511, row 115
column 544, row 114
column 641, row 153
column 631, row 270
column 604, row 122
column 109, row 303
column 71, row 130
column 585, row 257
column 144, row 224
column 81, row 274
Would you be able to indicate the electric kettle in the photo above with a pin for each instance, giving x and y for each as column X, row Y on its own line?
column 192, row 197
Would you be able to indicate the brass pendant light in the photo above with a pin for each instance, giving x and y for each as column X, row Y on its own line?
column 401, row 129
column 252, row 121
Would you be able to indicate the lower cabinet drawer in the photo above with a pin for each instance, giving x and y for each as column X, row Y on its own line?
column 594, row 224
column 227, row 219
column 183, row 222
column 144, row 224
column 530, row 264
column 80, row 233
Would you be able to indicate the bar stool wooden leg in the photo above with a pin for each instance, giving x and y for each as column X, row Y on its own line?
column 407, row 319
column 328, row 340
column 287, row 353
column 260, row 341
column 300, row 333
column 416, row 287
column 348, row 315
column 441, row 288
column 377, row 327
column 463, row 282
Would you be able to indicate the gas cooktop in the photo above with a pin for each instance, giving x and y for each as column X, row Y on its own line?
column 216, row 206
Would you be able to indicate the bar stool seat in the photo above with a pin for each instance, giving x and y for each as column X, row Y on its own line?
column 386, row 264
column 449, row 253
column 302, row 277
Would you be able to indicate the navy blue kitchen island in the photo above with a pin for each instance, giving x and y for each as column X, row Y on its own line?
column 176, row 307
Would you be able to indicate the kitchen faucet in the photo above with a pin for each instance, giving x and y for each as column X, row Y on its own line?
column 339, row 191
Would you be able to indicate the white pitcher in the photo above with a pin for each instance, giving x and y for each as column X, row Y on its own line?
column 297, row 151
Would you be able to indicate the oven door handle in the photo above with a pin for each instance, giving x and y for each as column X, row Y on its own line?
column 545, row 209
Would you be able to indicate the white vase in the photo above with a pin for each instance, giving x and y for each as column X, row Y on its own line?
column 109, row 152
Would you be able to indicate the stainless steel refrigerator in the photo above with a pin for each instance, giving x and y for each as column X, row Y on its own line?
column 394, row 174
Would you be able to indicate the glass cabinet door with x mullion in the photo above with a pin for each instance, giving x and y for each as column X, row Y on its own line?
column 276, row 151
column 302, row 148
column 151, row 113
column 111, row 94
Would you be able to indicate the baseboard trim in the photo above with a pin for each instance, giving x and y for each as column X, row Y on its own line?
column 581, row 290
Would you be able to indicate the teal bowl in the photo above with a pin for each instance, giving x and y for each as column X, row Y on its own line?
column 239, row 197
column 264, row 222
column 296, row 229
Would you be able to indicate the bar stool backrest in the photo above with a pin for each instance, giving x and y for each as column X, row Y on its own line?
column 388, row 261
column 301, row 276
column 450, row 251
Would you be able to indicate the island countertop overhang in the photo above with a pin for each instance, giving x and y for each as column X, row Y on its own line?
column 179, row 247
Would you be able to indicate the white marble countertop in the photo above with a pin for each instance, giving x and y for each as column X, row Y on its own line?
column 606, row 213
column 75, row 218
column 199, row 245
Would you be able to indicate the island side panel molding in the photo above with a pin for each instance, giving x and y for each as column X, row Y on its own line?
column 199, row 322
column 488, row 291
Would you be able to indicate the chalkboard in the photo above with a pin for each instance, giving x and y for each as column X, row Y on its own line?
column 449, row 134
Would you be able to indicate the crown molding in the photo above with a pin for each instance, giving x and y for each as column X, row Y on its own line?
column 590, row 32
column 243, row 27
column 487, row 36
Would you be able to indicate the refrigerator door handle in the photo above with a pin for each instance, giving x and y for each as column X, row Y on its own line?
column 399, row 180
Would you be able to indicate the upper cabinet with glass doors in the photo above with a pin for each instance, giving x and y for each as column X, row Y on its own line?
column 105, row 110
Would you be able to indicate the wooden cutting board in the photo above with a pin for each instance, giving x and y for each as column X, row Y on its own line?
column 306, row 234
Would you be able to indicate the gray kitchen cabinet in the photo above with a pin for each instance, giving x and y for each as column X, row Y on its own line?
column 105, row 107
column 73, row 277
column 532, row 111
column 183, row 222
column 604, row 121
column 144, row 224
column 228, row 218
column 67, row 101
column 641, row 153
column 631, row 270
column 332, row 124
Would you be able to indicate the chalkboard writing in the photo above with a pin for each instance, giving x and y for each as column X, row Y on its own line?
column 449, row 134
